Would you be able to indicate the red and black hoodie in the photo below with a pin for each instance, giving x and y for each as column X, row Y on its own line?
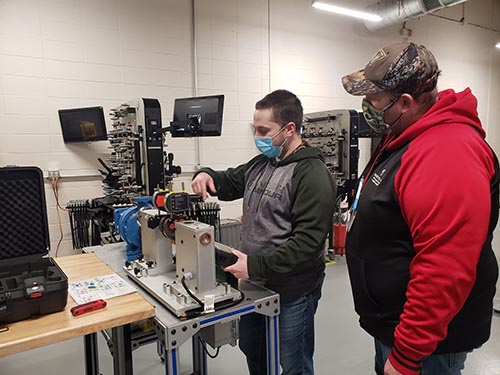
column 422, row 269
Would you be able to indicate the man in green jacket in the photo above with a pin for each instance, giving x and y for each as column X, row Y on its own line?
column 288, row 203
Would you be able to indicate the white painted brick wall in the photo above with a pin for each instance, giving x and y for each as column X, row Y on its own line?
column 63, row 54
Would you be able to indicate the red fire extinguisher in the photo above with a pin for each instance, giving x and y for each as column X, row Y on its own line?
column 340, row 227
column 339, row 235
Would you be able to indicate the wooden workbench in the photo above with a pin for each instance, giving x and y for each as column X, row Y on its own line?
column 48, row 329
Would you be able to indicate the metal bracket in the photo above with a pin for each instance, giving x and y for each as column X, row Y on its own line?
column 176, row 335
column 268, row 306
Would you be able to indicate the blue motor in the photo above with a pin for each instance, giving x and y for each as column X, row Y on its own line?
column 128, row 228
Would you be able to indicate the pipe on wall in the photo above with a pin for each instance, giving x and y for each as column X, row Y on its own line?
column 398, row 11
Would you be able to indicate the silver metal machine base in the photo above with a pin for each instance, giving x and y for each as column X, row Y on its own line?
column 171, row 294
column 172, row 332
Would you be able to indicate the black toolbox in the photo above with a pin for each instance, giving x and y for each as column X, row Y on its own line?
column 30, row 284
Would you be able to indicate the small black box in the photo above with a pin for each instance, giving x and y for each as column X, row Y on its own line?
column 30, row 284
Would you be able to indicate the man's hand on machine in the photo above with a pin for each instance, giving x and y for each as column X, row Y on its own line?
column 201, row 182
column 240, row 268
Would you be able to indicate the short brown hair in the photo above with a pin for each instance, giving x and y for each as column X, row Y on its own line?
column 285, row 107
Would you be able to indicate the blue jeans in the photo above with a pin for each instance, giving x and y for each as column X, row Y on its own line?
column 436, row 364
column 296, row 331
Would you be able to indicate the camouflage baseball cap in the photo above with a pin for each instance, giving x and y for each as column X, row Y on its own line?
column 398, row 68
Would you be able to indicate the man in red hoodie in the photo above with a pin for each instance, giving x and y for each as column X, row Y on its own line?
column 420, row 261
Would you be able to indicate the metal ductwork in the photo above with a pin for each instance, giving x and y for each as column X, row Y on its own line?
column 398, row 11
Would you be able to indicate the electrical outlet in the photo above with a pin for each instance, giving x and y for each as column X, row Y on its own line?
column 54, row 173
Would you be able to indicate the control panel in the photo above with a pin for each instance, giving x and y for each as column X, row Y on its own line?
column 335, row 133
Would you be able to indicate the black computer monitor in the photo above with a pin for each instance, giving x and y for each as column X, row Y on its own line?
column 83, row 124
column 198, row 117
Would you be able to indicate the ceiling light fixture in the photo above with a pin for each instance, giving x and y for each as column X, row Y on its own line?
column 346, row 12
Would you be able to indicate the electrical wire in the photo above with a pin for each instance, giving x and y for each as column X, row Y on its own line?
column 218, row 306
column 191, row 294
column 55, row 181
column 80, row 221
column 58, row 206
column 205, row 349
column 56, row 192
column 224, row 305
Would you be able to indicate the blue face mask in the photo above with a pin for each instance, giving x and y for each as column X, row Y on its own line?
column 265, row 145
